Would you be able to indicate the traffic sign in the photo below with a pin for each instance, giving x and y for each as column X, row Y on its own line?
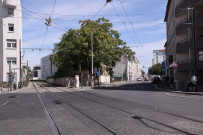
column 163, row 65
column 174, row 65
column 95, row 70
column 98, row 73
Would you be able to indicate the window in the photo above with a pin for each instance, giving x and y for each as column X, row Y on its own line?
column 10, row 11
column 11, row 60
column 11, row 43
column 10, row 27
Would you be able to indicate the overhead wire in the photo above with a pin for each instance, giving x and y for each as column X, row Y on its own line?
column 47, row 25
column 141, row 46
column 122, row 21
column 99, row 11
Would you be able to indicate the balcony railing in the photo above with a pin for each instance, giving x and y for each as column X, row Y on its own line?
column 184, row 65
column 199, row 64
column 199, row 19
column 180, row 7
column 9, row 3
column 199, row 43
column 193, row 2
column 183, row 45
column 182, row 25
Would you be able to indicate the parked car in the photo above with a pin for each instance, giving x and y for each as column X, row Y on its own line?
column 139, row 79
column 156, row 79
column 146, row 79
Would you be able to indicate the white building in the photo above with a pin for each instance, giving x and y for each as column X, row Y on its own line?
column 47, row 67
column 10, row 39
column 159, row 56
column 36, row 73
column 127, row 69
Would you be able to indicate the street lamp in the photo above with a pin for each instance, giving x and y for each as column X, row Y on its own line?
column 92, row 43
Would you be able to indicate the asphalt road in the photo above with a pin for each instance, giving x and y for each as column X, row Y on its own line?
column 128, row 109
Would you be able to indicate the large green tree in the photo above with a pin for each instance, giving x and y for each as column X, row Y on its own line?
column 76, row 44
column 156, row 70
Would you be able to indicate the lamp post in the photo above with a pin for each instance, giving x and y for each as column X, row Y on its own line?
column 92, row 43
column 92, row 40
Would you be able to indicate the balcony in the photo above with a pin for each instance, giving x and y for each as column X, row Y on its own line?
column 193, row 2
column 199, row 19
column 179, row 10
column 182, row 26
column 183, row 45
column 199, row 44
column 9, row 3
column 199, row 64
column 181, row 7
column 184, row 65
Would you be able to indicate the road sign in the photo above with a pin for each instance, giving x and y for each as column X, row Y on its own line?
column 174, row 65
column 95, row 70
column 98, row 73
column 163, row 65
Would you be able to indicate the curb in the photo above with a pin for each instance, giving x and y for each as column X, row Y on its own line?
column 179, row 92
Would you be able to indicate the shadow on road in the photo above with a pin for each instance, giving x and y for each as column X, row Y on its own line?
column 144, row 86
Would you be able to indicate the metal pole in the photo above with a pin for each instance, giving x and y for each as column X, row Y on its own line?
column 20, row 66
column 80, row 75
column 194, row 43
column 92, row 56
column 27, row 73
column 10, row 77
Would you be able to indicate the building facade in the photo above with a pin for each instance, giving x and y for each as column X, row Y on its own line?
column 10, row 40
column 47, row 67
column 184, row 21
column 159, row 56
column 127, row 70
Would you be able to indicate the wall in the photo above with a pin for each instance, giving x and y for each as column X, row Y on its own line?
column 67, row 81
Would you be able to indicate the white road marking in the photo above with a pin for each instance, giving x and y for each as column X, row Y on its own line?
column 173, row 95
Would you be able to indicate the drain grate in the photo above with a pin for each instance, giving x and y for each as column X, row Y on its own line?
column 57, row 102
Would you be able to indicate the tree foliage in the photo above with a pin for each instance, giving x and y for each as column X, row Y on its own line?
column 107, row 47
column 156, row 70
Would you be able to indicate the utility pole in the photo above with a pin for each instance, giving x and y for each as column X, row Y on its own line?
column 27, row 72
column 20, row 66
column 10, row 79
column 92, row 55
column 194, row 43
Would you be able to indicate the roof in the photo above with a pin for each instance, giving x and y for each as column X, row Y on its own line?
column 167, row 10
column 159, row 50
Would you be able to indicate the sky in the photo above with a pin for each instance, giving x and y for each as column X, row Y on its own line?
column 140, row 22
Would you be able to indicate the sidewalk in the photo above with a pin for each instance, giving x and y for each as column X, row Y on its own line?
column 7, row 90
column 164, row 87
column 105, row 85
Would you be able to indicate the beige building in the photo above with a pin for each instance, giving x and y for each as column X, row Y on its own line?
column 127, row 69
column 184, row 20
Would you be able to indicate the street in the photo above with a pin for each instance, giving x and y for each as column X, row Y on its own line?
column 124, row 109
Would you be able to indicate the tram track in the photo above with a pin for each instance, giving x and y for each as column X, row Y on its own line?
column 78, row 110
column 134, row 115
